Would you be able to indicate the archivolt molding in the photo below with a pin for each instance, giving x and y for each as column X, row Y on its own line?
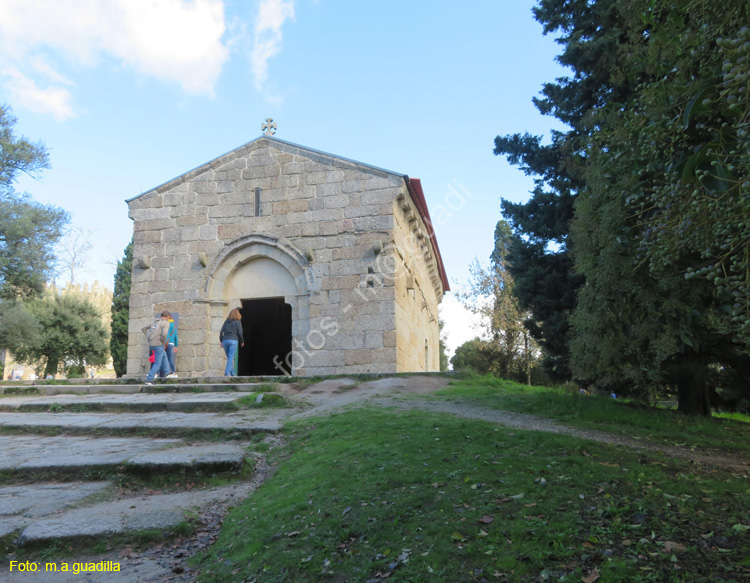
column 249, row 247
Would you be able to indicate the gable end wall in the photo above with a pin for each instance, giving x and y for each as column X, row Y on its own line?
column 334, row 212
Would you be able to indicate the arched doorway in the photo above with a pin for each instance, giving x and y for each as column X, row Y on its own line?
column 261, row 287
column 268, row 336
column 271, row 282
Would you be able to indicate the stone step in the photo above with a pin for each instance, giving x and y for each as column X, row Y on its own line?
column 22, row 455
column 236, row 424
column 159, row 386
column 21, row 505
column 55, row 521
column 142, row 402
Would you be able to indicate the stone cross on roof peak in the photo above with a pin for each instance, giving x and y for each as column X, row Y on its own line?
column 269, row 127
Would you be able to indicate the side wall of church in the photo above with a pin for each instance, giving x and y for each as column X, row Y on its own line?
column 417, row 292
column 331, row 210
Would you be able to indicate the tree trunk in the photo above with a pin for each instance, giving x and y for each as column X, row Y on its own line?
column 692, row 390
column 528, row 358
column 51, row 368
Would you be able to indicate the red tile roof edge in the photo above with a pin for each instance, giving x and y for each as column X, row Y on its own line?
column 417, row 194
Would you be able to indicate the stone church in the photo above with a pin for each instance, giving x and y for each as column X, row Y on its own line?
column 333, row 263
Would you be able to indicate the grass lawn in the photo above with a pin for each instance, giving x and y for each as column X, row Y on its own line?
column 372, row 495
column 728, row 433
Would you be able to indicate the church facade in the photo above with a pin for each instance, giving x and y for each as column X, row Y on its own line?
column 333, row 263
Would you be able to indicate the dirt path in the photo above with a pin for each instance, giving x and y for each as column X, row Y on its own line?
column 733, row 463
column 339, row 394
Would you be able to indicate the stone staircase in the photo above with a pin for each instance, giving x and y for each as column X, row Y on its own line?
column 87, row 460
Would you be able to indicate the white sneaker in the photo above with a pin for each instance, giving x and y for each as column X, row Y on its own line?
column 172, row 375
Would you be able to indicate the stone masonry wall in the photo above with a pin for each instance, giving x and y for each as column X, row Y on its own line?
column 416, row 297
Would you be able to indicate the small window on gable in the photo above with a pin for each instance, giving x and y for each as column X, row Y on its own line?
column 257, row 202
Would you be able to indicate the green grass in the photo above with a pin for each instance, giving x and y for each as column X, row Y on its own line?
column 422, row 497
column 729, row 433
column 269, row 400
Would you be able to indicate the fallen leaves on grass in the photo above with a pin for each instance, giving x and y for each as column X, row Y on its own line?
column 591, row 577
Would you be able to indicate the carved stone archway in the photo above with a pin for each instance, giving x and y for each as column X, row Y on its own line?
column 238, row 254
column 254, row 246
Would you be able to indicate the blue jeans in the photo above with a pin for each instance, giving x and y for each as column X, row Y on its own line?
column 160, row 362
column 230, row 349
column 170, row 358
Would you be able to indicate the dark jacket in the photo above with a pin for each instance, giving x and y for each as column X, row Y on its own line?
column 231, row 330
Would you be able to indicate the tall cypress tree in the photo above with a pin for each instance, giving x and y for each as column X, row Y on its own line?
column 118, row 343
column 540, row 259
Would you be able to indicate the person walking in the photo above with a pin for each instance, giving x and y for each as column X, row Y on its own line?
column 230, row 337
column 171, row 348
column 156, row 335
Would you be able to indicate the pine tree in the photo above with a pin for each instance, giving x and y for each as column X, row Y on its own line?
column 28, row 230
column 118, row 343
column 540, row 259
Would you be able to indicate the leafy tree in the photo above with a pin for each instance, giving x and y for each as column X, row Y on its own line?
column 691, row 124
column 443, row 353
column 17, row 154
column 28, row 230
column 71, row 335
column 118, row 343
column 658, row 154
column 17, row 326
column 475, row 355
column 28, row 233
column 490, row 295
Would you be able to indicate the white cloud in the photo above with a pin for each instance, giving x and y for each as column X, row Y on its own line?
column 43, row 68
column 173, row 40
column 268, row 37
column 52, row 100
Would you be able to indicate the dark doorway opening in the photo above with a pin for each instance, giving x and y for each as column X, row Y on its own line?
column 267, row 327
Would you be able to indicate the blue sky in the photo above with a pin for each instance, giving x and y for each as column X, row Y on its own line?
column 127, row 94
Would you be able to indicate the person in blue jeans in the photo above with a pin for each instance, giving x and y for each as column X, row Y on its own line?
column 230, row 338
column 170, row 349
column 156, row 335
